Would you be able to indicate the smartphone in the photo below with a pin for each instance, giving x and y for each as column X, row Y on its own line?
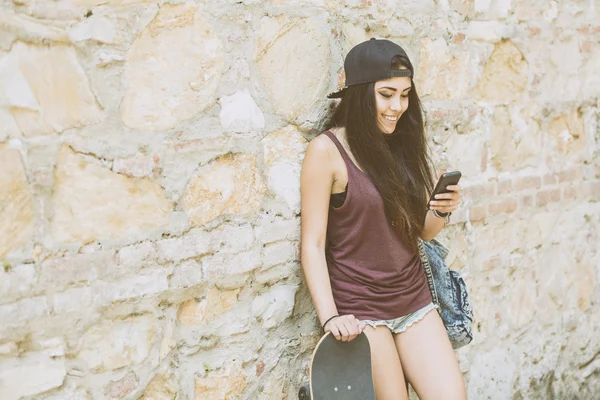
column 447, row 179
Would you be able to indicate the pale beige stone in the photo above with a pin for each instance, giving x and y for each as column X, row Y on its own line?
column 92, row 202
column 275, row 306
column 354, row 34
column 65, row 10
column 472, row 160
column 504, row 76
column 214, row 305
column 496, row 366
column 100, row 28
column 223, row 385
column 50, row 99
column 285, row 144
column 172, row 69
column 16, row 208
column 161, row 387
column 521, row 298
column 117, row 344
column 293, row 57
column 441, row 75
column 31, row 29
column 122, row 387
column 489, row 31
column 528, row 136
column 283, row 152
column 502, row 147
column 230, row 185
column 30, row 374
column 585, row 283
column 567, row 135
column 230, row 271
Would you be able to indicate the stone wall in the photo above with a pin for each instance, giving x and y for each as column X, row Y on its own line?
column 149, row 196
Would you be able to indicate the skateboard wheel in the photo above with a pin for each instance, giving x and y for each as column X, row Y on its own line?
column 304, row 393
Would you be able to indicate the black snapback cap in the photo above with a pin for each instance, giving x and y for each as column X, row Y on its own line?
column 371, row 61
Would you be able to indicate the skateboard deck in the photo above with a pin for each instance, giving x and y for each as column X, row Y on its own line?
column 341, row 370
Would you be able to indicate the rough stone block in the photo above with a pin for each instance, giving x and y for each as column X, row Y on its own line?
column 117, row 344
column 497, row 365
column 279, row 253
column 16, row 211
column 489, row 31
column 271, row 230
column 231, row 185
column 282, row 180
column 186, row 274
column 214, row 305
column 91, row 202
column 137, row 256
column 158, row 98
column 220, row 385
column 286, row 144
column 122, row 387
column 229, row 271
column 50, row 99
column 194, row 244
column 17, row 282
column 274, row 306
column 23, row 311
column 233, row 239
column 504, row 76
column 282, row 46
column 57, row 273
column 143, row 284
column 239, row 113
column 162, row 387
column 441, row 75
column 30, row 374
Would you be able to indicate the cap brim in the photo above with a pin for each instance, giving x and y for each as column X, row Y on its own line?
column 337, row 94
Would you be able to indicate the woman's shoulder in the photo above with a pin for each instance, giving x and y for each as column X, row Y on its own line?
column 321, row 144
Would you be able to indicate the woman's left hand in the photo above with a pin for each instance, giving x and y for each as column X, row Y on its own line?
column 447, row 202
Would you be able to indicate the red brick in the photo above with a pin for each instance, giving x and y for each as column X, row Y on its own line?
column 504, row 186
column 570, row 192
column 477, row 213
column 550, row 179
column 480, row 190
column 503, row 206
column 544, row 197
column 569, row 175
column 528, row 182
column 527, row 201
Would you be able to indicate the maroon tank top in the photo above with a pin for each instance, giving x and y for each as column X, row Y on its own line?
column 373, row 274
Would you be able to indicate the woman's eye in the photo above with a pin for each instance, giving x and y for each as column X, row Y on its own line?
column 404, row 96
column 387, row 96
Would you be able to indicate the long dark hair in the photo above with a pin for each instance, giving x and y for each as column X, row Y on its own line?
column 398, row 163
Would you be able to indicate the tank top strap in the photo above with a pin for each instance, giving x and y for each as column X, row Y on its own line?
column 349, row 163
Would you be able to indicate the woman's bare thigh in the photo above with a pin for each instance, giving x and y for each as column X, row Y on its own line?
column 428, row 360
column 387, row 369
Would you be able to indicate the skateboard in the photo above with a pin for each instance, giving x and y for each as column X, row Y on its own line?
column 340, row 370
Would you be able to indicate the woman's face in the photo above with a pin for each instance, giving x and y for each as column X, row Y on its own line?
column 391, row 100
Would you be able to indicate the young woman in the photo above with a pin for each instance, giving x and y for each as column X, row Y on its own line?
column 365, row 185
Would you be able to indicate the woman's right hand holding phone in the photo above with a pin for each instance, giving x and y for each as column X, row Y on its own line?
column 344, row 327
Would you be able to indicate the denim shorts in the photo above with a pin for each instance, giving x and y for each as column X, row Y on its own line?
column 401, row 324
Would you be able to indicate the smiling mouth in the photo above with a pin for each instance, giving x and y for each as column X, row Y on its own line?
column 390, row 118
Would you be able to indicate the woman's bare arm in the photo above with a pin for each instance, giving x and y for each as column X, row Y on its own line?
column 315, row 186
